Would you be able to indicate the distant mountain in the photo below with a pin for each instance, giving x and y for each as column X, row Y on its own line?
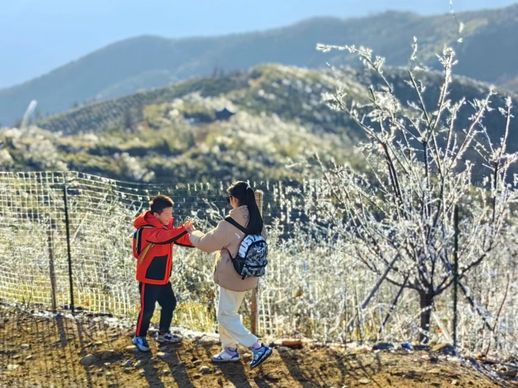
column 488, row 52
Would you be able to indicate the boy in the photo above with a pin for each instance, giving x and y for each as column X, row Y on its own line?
column 153, row 249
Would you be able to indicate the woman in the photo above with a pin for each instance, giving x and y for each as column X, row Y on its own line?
column 225, row 239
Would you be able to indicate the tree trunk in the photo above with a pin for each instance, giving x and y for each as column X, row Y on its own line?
column 426, row 304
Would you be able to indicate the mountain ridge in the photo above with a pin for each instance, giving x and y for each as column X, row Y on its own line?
column 149, row 61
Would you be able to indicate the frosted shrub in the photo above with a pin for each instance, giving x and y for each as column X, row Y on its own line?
column 397, row 216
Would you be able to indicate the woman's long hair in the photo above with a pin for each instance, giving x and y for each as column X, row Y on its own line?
column 246, row 196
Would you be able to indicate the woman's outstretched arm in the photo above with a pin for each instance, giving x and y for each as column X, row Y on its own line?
column 212, row 241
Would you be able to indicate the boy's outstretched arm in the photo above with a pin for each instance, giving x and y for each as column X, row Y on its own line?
column 166, row 236
column 184, row 241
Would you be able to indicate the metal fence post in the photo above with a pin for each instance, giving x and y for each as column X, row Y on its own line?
column 52, row 272
column 254, row 310
column 455, row 275
column 69, row 254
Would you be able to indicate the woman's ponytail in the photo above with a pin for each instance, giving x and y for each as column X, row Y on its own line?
column 246, row 196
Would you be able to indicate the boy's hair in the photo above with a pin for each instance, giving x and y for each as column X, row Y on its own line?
column 159, row 203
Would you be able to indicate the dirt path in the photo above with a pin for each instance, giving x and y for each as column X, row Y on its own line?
column 87, row 352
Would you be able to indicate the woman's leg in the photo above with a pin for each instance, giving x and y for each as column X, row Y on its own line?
column 231, row 328
column 226, row 339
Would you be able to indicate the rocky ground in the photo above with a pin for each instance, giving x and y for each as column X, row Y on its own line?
column 42, row 350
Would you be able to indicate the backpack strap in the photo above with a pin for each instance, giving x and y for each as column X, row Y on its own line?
column 234, row 222
column 144, row 253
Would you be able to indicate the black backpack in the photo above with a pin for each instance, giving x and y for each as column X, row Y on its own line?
column 251, row 259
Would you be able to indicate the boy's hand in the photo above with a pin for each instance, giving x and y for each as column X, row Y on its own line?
column 188, row 225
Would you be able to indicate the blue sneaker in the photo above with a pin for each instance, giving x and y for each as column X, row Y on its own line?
column 260, row 355
column 141, row 343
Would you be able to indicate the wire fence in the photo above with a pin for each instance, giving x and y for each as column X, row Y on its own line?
column 65, row 241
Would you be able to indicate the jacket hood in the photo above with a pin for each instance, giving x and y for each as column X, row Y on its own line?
column 147, row 218
column 241, row 215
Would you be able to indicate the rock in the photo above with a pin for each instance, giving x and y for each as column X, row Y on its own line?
column 274, row 377
column 89, row 359
column 163, row 355
column 12, row 366
column 364, row 381
column 446, row 349
column 205, row 370
column 29, row 357
column 383, row 346
column 107, row 354
column 473, row 362
column 207, row 340
column 454, row 382
column 508, row 371
column 25, row 346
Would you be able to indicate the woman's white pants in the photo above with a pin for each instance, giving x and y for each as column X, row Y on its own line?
column 232, row 332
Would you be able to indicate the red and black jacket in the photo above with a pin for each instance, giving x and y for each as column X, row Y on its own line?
column 155, row 267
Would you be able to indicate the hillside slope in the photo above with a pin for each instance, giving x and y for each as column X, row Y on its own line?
column 266, row 123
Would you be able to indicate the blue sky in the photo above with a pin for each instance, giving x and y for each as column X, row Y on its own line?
column 37, row 36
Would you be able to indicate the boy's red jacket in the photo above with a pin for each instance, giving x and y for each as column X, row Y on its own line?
column 156, row 266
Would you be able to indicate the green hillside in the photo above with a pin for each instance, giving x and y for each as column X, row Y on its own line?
column 277, row 123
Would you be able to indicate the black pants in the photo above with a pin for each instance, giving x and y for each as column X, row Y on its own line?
column 149, row 295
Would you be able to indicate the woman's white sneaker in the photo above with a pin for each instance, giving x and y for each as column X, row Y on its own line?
column 227, row 355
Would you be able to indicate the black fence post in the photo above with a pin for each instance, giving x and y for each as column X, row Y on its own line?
column 52, row 272
column 455, row 274
column 69, row 254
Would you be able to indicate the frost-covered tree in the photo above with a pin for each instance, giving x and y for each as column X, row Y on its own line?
column 398, row 214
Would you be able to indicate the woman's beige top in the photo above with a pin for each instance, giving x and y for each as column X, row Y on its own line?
column 223, row 239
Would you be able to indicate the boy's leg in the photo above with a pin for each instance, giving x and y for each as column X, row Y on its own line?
column 148, row 297
column 166, row 300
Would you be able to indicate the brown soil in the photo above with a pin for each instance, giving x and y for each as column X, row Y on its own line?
column 87, row 352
